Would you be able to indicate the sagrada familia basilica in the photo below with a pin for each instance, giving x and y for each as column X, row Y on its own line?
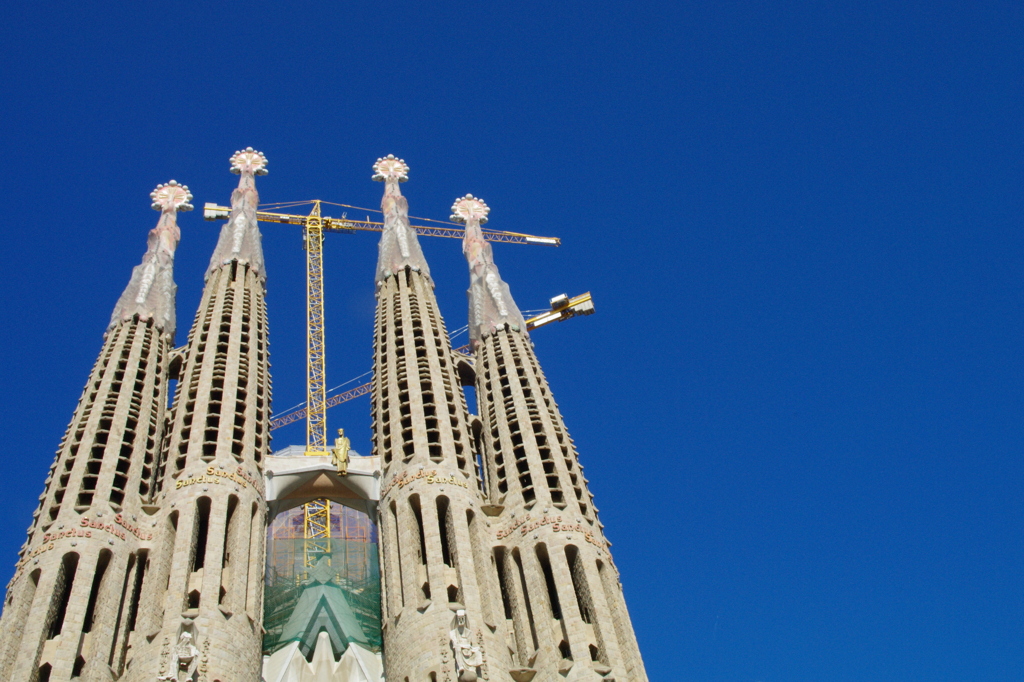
column 466, row 547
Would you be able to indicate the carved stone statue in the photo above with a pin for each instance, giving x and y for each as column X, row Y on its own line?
column 339, row 453
column 184, row 660
column 468, row 656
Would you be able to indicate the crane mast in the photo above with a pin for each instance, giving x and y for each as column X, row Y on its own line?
column 316, row 523
column 316, row 411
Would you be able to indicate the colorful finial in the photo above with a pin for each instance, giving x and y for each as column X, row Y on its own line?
column 390, row 168
column 249, row 161
column 398, row 249
column 240, row 239
column 468, row 208
column 151, row 289
column 171, row 197
column 491, row 305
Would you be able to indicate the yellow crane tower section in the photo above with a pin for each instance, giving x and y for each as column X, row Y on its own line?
column 317, row 518
column 316, row 396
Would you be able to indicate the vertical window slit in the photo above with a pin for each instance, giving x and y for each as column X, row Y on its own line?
column 442, row 527
column 61, row 594
column 549, row 580
column 97, row 583
column 226, row 559
column 397, row 554
column 202, row 528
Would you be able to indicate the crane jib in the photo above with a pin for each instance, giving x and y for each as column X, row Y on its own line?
column 349, row 226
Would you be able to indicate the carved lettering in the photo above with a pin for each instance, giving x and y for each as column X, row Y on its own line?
column 527, row 524
column 213, row 476
column 105, row 527
column 403, row 479
column 204, row 662
column 443, row 641
column 452, row 480
column 69, row 533
column 19, row 567
column 134, row 530
column 165, row 652
column 483, row 655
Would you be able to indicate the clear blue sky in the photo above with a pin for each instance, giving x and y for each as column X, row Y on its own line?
column 799, row 403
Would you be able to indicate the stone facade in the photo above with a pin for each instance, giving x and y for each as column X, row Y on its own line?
column 145, row 559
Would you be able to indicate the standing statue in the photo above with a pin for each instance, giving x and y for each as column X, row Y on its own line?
column 184, row 660
column 468, row 656
column 339, row 453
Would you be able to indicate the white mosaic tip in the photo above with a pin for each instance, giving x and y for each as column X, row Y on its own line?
column 468, row 208
column 249, row 161
column 390, row 168
column 171, row 197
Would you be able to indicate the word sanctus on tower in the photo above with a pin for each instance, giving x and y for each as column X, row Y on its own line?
column 171, row 544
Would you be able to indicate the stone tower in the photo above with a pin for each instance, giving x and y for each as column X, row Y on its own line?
column 202, row 601
column 72, row 603
column 559, row 589
column 438, row 622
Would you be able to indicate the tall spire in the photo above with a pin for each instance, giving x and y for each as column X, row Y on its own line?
column 204, row 585
column 399, row 248
column 85, row 556
column 560, row 590
column 490, row 301
column 151, row 290
column 240, row 238
column 432, row 524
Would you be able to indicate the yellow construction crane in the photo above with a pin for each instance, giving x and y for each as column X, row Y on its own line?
column 317, row 525
column 351, row 226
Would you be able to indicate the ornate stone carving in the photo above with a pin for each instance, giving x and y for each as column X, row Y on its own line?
column 240, row 238
column 490, row 301
column 390, row 168
column 445, row 671
column 399, row 248
column 151, row 291
column 483, row 655
column 184, row 658
column 171, row 197
column 249, row 161
column 165, row 652
column 470, row 209
column 468, row 656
